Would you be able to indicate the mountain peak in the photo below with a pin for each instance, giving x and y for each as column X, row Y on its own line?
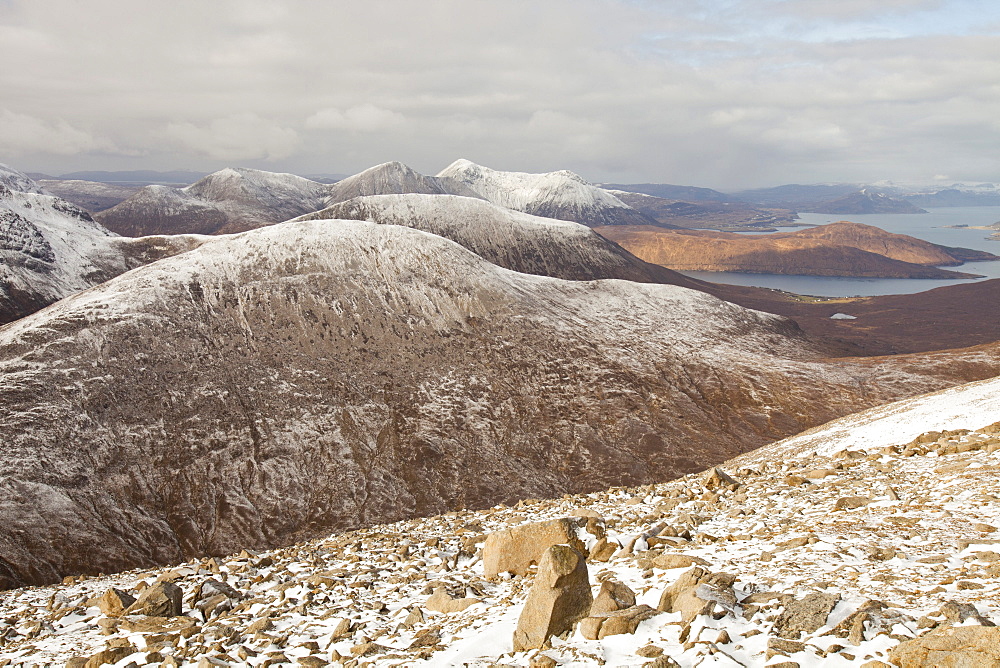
column 17, row 180
column 563, row 194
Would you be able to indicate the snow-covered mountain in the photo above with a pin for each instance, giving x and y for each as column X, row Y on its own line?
column 508, row 238
column 878, row 550
column 50, row 249
column 562, row 195
column 392, row 178
column 312, row 376
column 230, row 200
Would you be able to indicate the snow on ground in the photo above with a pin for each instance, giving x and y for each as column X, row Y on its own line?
column 907, row 529
column 521, row 190
column 973, row 406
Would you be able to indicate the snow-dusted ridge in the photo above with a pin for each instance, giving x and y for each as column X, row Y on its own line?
column 562, row 194
column 51, row 248
column 322, row 375
column 230, row 200
column 393, row 178
column 507, row 238
column 970, row 406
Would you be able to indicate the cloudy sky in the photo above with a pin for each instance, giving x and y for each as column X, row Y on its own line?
column 719, row 93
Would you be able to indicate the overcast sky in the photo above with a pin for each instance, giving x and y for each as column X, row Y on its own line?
column 718, row 93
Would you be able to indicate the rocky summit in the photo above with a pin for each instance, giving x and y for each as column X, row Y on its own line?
column 863, row 543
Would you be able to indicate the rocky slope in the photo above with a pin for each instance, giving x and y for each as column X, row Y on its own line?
column 562, row 195
column 230, row 200
column 838, row 249
column 507, row 238
column 244, row 394
column 707, row 214
column 90, row 195
column 51, row 248
column 870, row 541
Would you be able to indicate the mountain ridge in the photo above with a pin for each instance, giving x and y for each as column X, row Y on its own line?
column 562, row 195
column 239, row 394
column 226, row 201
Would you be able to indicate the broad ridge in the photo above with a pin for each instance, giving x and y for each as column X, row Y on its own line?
column 507, row 238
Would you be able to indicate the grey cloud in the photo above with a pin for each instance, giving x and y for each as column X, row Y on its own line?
column 725, row 94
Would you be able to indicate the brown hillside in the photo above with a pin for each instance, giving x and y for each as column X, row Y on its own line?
column 839, row 249
column 956, row 316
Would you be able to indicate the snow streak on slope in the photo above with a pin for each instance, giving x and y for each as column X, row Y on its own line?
column 314, row 376
column 507, row 238
column 563, row 195
column 971, row 406
column 12, row 179
column 49, row 248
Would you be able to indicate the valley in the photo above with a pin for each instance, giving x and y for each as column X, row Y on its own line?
column 310, row 358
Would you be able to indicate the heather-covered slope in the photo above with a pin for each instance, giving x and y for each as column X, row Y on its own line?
column 563, row 195
column 230, row 200
column 838, row 249
column 313, row 376
column 508, row 238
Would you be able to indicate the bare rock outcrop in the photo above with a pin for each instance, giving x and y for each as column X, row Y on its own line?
column 950, row 647
column 516, row 549
column 559, row 597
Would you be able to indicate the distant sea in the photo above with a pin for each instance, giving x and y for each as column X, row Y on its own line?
column 928, row 226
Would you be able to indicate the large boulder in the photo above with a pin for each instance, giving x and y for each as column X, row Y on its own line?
column 613, row 596
column 114, row 602
column 517, row 548
column 698, row 591
column 951, row 647
column 442, row 601
column 616, row 622
column 805, row 615
column 162, row 599
column 559, row 598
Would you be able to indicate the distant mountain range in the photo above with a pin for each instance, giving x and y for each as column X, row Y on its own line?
column 230, row 200
column 395, row 355
column 233, row 200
